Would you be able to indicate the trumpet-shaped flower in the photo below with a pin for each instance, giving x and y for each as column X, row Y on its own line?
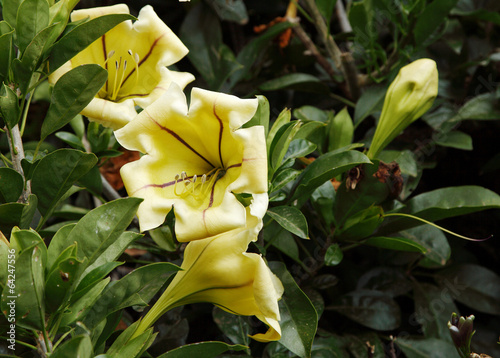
column 196, row 160
column 219, row 271
column 135, row 56
column 409, row 96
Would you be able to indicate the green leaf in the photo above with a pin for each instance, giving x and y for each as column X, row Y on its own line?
column 431, row 19
column 438, row 249
column 371, row 101
column 32, row 17
column 81, row 37
column 10, row 215
column 202, row 350
column 341, row 130
column 473, row 285
column 11, row 185
column 291, row 219
column 236, row 328
column 389, row 280
column 230, row 10
column 261, row 116
column 333, row 255
column 29, row 290
column 299, row 319
column 164, row 238
column 56, row 173
column 6, row 36
column 297, row 81
column 395, row 243
column 123, row 346
column 71, row 94
column 135, row 289
column 283, row 177
column 406, row 160
column 78, row 346
column 70, row 139
column 29, row 211
column 58, row 244
column 361, row 17
column 311, row 114
column 433, row 307
column 361, row 224
column 373, row 309
column 280, row 144
column 283, row 118
column 324, row 168
column 98, row 230
column 455, row 139
column 444, row 203
column 282, row 240
column 92, row 278
column 326, row 8
column 9, row 106
column 426, row 348
column 482, row 107
column 9, row 11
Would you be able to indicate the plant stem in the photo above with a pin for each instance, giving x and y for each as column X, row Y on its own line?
column 17, row 153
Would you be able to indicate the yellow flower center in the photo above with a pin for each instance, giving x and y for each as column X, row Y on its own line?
column 118, row 75
column 197, row 186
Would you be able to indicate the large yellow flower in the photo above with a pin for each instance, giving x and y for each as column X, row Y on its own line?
column 196, row 160
column 135, row 56
column 219, row 271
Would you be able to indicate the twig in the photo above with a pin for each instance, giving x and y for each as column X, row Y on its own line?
column 344, row 23
column 17, row 153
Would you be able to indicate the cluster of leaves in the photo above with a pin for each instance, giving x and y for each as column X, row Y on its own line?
column 362, row 276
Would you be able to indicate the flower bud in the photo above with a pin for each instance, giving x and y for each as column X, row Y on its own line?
column 409, row 96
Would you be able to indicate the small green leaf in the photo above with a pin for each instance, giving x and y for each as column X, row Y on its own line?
column 299, row 320
column 297, row 81
column 370, row 308
column 431, row 18
column 236, row 328
column 341, row 130
column 311, row 114
column 9, row 11
column 438, row 249
column 71, row 94
column 9, row 106
column 70, row 139
column 261, row 116
column 32, row 17
column 371, row 101
column 82, row 36
column 282, row 240
column 333, row 255
column 280, row 144
column 56, row 173
column 6, row 37
column 283, row 118
column 230, row 10
column 326, row 8
column 291, row 219
column 77, row 346
column 455, row 139
column 426, row 348
column 11, row 185
column 202, row 350
column 10, row 215
column 283, row 177
column 395, row 243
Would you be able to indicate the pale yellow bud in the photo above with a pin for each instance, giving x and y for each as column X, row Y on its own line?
column 409, row 96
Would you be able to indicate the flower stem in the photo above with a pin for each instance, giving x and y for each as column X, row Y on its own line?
column 17, row 154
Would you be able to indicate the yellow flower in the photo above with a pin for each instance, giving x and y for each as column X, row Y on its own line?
column 135, row 56
column 196, row 161
column 218, row 270
column 409, row 96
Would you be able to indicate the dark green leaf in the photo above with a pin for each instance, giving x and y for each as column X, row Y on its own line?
column 438, row 250
column 334, row 255
column 236, row 328
column 230, row 10
column 71, row 139
column 56, row 173
column 297, row 81
column 291, row 219
column 280, row 144
column 326, row 8
column 482, row 107
column 126, row 346
column 72, row 93
column 9, row 106
column 389, row 280
column 361, row 17
column 395, row 243
column 433, row 308
column 299, row 319
column 432, row 17
column 426, row 348
column 92, row 278
column 92, row 181
column 10, row 215
column 261, row 116
column 455, row 139
column 28, row 212
column 6, row 36
column 283, row 118
column 202, row 350
column 78, row 346
column 341, row 130
column 135, row 289
column 9, row 11
column 372, row 309
column 310, row 113
column 11, row 185
column 283, row 177
column 282, row 240
column 324, row 168
column 370, row 102
column 82, row 36
column 474, row 286
column 32, row 17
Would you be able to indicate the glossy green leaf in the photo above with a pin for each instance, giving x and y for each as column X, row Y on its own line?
column 56, row 173
column 291, row 219
column 433, row 307
column 431, row 18
column 473, row 285
column 481, row 107
column 324, row 168
column 444, row 203
column 261, row 116
column 9, row 11
column 280, row 144
column 426, row 348
column 135, row 289
column 456, row 139
column 32, row 17
column 341, row 130
column 283, row 177
column 283, row 118
column 299, row 319
column 371, row 101
column 78, row 346
column 389, row 280
column 438, row 249
column 298, row 81
column 282, row 240
column 299, row 148
column 28, row 294
column 70, row 139
column 60, row 14
column 333, row 255
column 10, row 215
column 82, row 36
column 29, row 211
column 99, row 229
column 202, row 350
column 71, row 94
column 373, row 309
column 6, row 37
column 9, row 106
column 310, row 113
column 123, row 346
column 58, row 244
column 92, row 278
column 360, row 225
column 236, row 328
column 395, row 243
column 163, row 237
column 11, row 185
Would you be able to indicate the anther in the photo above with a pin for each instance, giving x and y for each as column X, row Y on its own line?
column 194, row 178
